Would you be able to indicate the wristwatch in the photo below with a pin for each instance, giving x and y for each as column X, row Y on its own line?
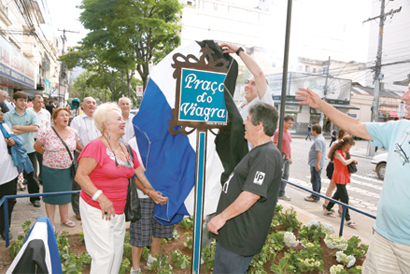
column 239, row 50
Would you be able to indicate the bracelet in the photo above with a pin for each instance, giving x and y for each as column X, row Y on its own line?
column 96, row 195
column 239, row 50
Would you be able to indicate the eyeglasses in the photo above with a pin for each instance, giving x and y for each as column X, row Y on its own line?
column 250, row 82
column 399, row 149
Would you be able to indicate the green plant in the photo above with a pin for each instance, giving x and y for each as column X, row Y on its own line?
column 208, row 255
column 125, row 266
column 128, row 251
column 313, row 233
column 180, row 260
column 187, row 223
column 145, row 253
column 81, row 236
column 72, row 264
column 354, row 249
column 161, row 265
column 188, row 242
column 16, row 246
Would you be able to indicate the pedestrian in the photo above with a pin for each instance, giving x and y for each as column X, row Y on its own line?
column 147, row 230
column 333, row 136
column 50, row 107
column 286, row 154
column 105, row 167
column 390, row 243
column 55, row 143
column 87, row 131
column 4, row 104
column 8, row 175
column 316, row 161
column 248, row 199
column 24, row 122
column 309, row 133
column 341, row 176
column 44, row 121
column 125, row 105
column 330, row 168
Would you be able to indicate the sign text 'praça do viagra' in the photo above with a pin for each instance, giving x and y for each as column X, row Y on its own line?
column 202, row 97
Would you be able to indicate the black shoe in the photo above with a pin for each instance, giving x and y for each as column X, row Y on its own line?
column 25, row 182
column 36, row 203
column 3, row 235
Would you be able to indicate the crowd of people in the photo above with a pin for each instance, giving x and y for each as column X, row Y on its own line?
column 97, row 153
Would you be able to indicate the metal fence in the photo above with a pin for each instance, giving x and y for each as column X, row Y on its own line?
column 6, row 217
column 3, row 201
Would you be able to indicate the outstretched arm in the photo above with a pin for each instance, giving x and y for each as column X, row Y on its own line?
column 351, row 125
column 254, row 68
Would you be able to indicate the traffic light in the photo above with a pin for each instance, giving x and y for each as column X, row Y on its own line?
column 74, row 103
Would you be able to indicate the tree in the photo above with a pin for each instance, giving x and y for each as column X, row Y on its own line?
column 129, row 35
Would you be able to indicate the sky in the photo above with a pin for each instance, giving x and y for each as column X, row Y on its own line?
column 312, row 22
column 64, row 15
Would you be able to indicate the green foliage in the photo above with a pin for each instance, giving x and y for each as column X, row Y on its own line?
column 180, row 260
column 288, row 219
column 16, row 246
column 145, row 253
column 354, row 249
column 208, row 255
column 161, row 265
column 188, row 242
column 128, row 251
column 125, row 266
column 314, row 234
column 81, row 236
column 72, row 264
column 187, row 223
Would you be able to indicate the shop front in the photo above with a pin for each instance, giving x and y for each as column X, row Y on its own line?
column 16, row 71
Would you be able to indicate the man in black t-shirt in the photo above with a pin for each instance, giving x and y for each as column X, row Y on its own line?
column 248, row 199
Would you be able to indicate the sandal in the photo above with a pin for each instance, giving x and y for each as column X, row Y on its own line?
column 340, row 213
column 22, row 187
column 324, row 208
column 329, row 214
column 351, row 224
column 70, row 224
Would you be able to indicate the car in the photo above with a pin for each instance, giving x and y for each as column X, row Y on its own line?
column 134, row 111
column 380, row 161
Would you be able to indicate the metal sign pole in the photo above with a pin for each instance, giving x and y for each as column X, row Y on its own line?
column 199, row 199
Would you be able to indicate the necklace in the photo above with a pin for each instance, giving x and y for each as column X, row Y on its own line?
column 115, row 156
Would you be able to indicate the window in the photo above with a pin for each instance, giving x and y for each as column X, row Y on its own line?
column 307, row 69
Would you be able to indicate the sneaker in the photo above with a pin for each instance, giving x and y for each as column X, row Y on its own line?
column 285, row 198
column 138, row 271
column 36, row 203
column 152, row 260
column 311, row 199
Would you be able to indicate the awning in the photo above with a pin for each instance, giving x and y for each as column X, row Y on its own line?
column 344, row 106
column 395, row 114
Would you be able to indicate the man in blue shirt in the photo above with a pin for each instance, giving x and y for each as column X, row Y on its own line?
column 390, row 243
column 316, row 161
column 24, row 122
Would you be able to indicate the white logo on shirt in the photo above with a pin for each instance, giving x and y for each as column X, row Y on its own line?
column 259, row 177
column 226, row 185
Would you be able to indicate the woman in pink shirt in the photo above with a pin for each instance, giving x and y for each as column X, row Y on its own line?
column 103, row 172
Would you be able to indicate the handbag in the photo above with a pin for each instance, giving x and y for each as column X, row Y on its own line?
column 329, row 170
column 73, row 167
column 132, row 210
column 352, row 167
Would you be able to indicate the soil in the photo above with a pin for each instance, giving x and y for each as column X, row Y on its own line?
column 77, row 246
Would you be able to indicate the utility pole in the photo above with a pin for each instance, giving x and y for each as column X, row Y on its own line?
column 325, row 92
column 378, row 76
column 63, row 66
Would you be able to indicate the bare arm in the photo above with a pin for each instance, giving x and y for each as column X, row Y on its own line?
column 244, row 201
column 21, row 129
column 343, row 160
column 351, row 125
column 146, row 187
column 318, row 159
column 79, row 146
column 82, row 177
column 254, row 68
column 38, row 146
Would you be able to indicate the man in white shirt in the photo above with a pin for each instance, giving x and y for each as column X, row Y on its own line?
column 44, row 121
column 3, row 97
column 256, row 89
column 125, row 104
column 87, row 132
column 8, row 176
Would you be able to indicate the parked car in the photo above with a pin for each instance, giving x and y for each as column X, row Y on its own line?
column 380, row 161
column 134, row 111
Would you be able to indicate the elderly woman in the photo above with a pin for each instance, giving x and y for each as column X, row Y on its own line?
column 57, row 163
column 104, row 169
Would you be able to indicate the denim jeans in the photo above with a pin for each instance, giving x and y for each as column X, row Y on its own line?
column 316, row 182
column 229, row 262
column 285, row 176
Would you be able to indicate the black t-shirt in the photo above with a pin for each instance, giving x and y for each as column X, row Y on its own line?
column 259, row 172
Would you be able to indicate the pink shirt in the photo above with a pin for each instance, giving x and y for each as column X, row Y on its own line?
column 107, row 176
column 56, row 155
column 287, row 138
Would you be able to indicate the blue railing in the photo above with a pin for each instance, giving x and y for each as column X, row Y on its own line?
column 3, row 201
column 6, row 217
column 344, row 206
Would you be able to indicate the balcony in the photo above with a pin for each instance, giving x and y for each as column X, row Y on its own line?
column 4, row 15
